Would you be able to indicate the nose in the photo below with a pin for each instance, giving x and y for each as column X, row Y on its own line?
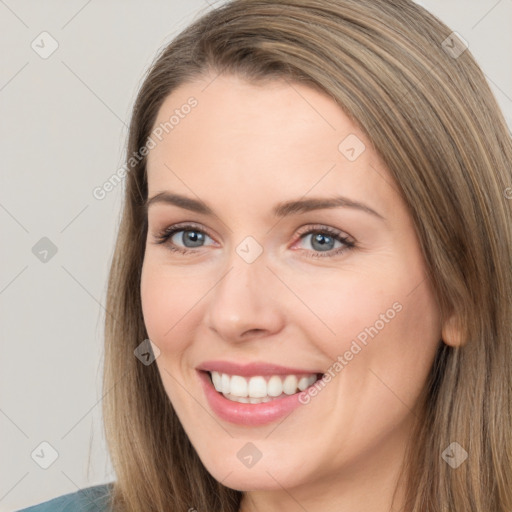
column 245, row 303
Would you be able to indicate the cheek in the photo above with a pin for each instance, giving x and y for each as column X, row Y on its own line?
column 411, row 342
column 389, row 351
column 387, row 321
column 347, row 306
column 169, row 304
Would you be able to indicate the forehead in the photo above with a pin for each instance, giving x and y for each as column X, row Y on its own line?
column 282, row 137
column 228, row 108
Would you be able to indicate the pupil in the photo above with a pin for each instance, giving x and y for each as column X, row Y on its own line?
column 324, row 242
column 192, row 238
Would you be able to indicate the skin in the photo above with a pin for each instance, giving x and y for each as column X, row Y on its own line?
column 243, row 149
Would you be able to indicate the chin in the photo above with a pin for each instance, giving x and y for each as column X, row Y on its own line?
column 263, row 475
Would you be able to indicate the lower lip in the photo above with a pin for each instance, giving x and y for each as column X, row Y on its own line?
column 247, row 414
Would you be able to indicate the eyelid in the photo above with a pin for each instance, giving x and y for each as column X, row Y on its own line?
column 182, row 226
column 308, row 228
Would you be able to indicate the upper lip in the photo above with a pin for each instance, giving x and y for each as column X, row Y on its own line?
column 251, row 369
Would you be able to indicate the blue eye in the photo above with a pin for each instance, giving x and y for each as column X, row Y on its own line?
column 321, row 242
column 189, row 238
column 182, row 238
column 324, row 240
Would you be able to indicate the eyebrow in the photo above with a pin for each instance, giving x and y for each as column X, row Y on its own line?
column 280, row 210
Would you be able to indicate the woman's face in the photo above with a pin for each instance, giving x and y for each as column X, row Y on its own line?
column 282, row 275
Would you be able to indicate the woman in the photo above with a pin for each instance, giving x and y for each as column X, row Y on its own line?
column 310, row 294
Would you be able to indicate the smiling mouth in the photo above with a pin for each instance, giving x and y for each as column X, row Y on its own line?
column 260, row 388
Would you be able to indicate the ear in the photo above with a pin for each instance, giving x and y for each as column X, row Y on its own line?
column 451, row 332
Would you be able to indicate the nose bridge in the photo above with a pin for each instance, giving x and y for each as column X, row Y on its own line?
column 242, row 300
column 247, row 264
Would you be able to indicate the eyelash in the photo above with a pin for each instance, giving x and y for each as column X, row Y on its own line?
column 165, row 234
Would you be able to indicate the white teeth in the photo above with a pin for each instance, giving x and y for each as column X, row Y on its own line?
column 238, row 386
column 274, row 386
column 217, row 380
column 304, row 382
column 225, row 387
column 259, row 389
column 247, row 400
column 290, row 384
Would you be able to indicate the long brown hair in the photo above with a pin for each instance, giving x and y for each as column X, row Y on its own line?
column 419, row 96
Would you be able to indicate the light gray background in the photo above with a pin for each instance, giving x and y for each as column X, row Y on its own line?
column 63, row 127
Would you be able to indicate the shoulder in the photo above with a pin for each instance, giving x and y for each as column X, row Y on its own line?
column 90, row 499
